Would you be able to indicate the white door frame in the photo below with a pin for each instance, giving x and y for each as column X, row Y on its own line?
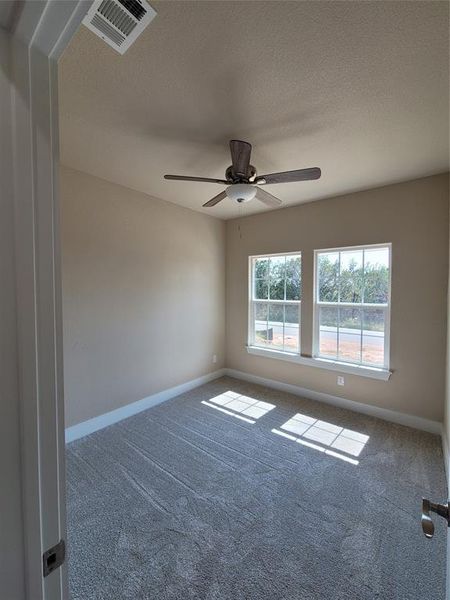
column 41, row 32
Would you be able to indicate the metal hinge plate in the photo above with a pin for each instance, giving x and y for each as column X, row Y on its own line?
column 53, row 558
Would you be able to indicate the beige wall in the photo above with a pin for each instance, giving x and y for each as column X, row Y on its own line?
column 143, row 295
column 414, row 217
column 144, row 291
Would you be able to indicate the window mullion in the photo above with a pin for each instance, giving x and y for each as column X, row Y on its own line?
column 339, row 280
column 253, row 281
column 363, row 276
column 338, row 323
column 299, row 317
column 252, row 322
column 361, row 322
column 387, row 332
column 362, row 302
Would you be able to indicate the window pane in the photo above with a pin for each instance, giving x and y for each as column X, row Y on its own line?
column 354, row 277
column 261, row 268
column 328, row 275
column 260, row 324
column 350, row 334
column 373, row 337
column 291, row 328
column 376, row 276
column 328, row 324
column 277, row 277
column 293, row 278
column 273, row 278
column 276, row 322
column 351, row 276
column 261, row 279
column 261, row 289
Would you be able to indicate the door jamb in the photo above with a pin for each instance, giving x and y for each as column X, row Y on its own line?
column 40, row 33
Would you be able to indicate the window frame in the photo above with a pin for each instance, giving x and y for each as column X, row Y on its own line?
column 251, row 305
column 318, row 304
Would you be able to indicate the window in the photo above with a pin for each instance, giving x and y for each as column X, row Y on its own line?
column 275, row 294
column 352, row 304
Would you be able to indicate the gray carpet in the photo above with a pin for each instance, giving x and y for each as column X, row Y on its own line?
column 186, row 501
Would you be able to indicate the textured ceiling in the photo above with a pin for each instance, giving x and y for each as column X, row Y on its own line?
column 8, row 10
column 357, row 88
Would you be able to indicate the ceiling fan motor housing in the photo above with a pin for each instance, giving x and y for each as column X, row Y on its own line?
column 238, row 178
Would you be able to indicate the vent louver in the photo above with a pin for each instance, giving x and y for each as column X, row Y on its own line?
column 119, row 22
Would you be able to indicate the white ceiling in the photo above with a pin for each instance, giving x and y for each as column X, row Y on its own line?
column 360, row 89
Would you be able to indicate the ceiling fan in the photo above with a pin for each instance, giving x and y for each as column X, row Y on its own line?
column 242, row 180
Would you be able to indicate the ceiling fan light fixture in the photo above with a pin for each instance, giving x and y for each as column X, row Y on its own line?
column 241, row 192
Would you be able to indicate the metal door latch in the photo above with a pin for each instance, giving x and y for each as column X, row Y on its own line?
column 428, row 507
column 53, row 558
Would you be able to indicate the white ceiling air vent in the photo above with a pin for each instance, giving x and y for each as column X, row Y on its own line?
column 119, row 22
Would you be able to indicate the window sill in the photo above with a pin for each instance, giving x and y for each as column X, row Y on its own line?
column 323, row 363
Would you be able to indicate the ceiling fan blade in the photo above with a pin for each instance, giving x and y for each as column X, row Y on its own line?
column 240, row 156
column 290, row 176
column 186, row 178
column 216, row 199
column 267, row 198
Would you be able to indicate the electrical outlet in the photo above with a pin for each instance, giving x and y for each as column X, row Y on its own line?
column 340, row 380
column 214, row 358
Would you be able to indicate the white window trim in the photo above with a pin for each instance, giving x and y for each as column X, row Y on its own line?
column 323, row 363
column 251, row 301
column 385, row 307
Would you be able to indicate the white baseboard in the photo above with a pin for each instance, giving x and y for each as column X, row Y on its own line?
column 367, row 409
column 86, row 427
